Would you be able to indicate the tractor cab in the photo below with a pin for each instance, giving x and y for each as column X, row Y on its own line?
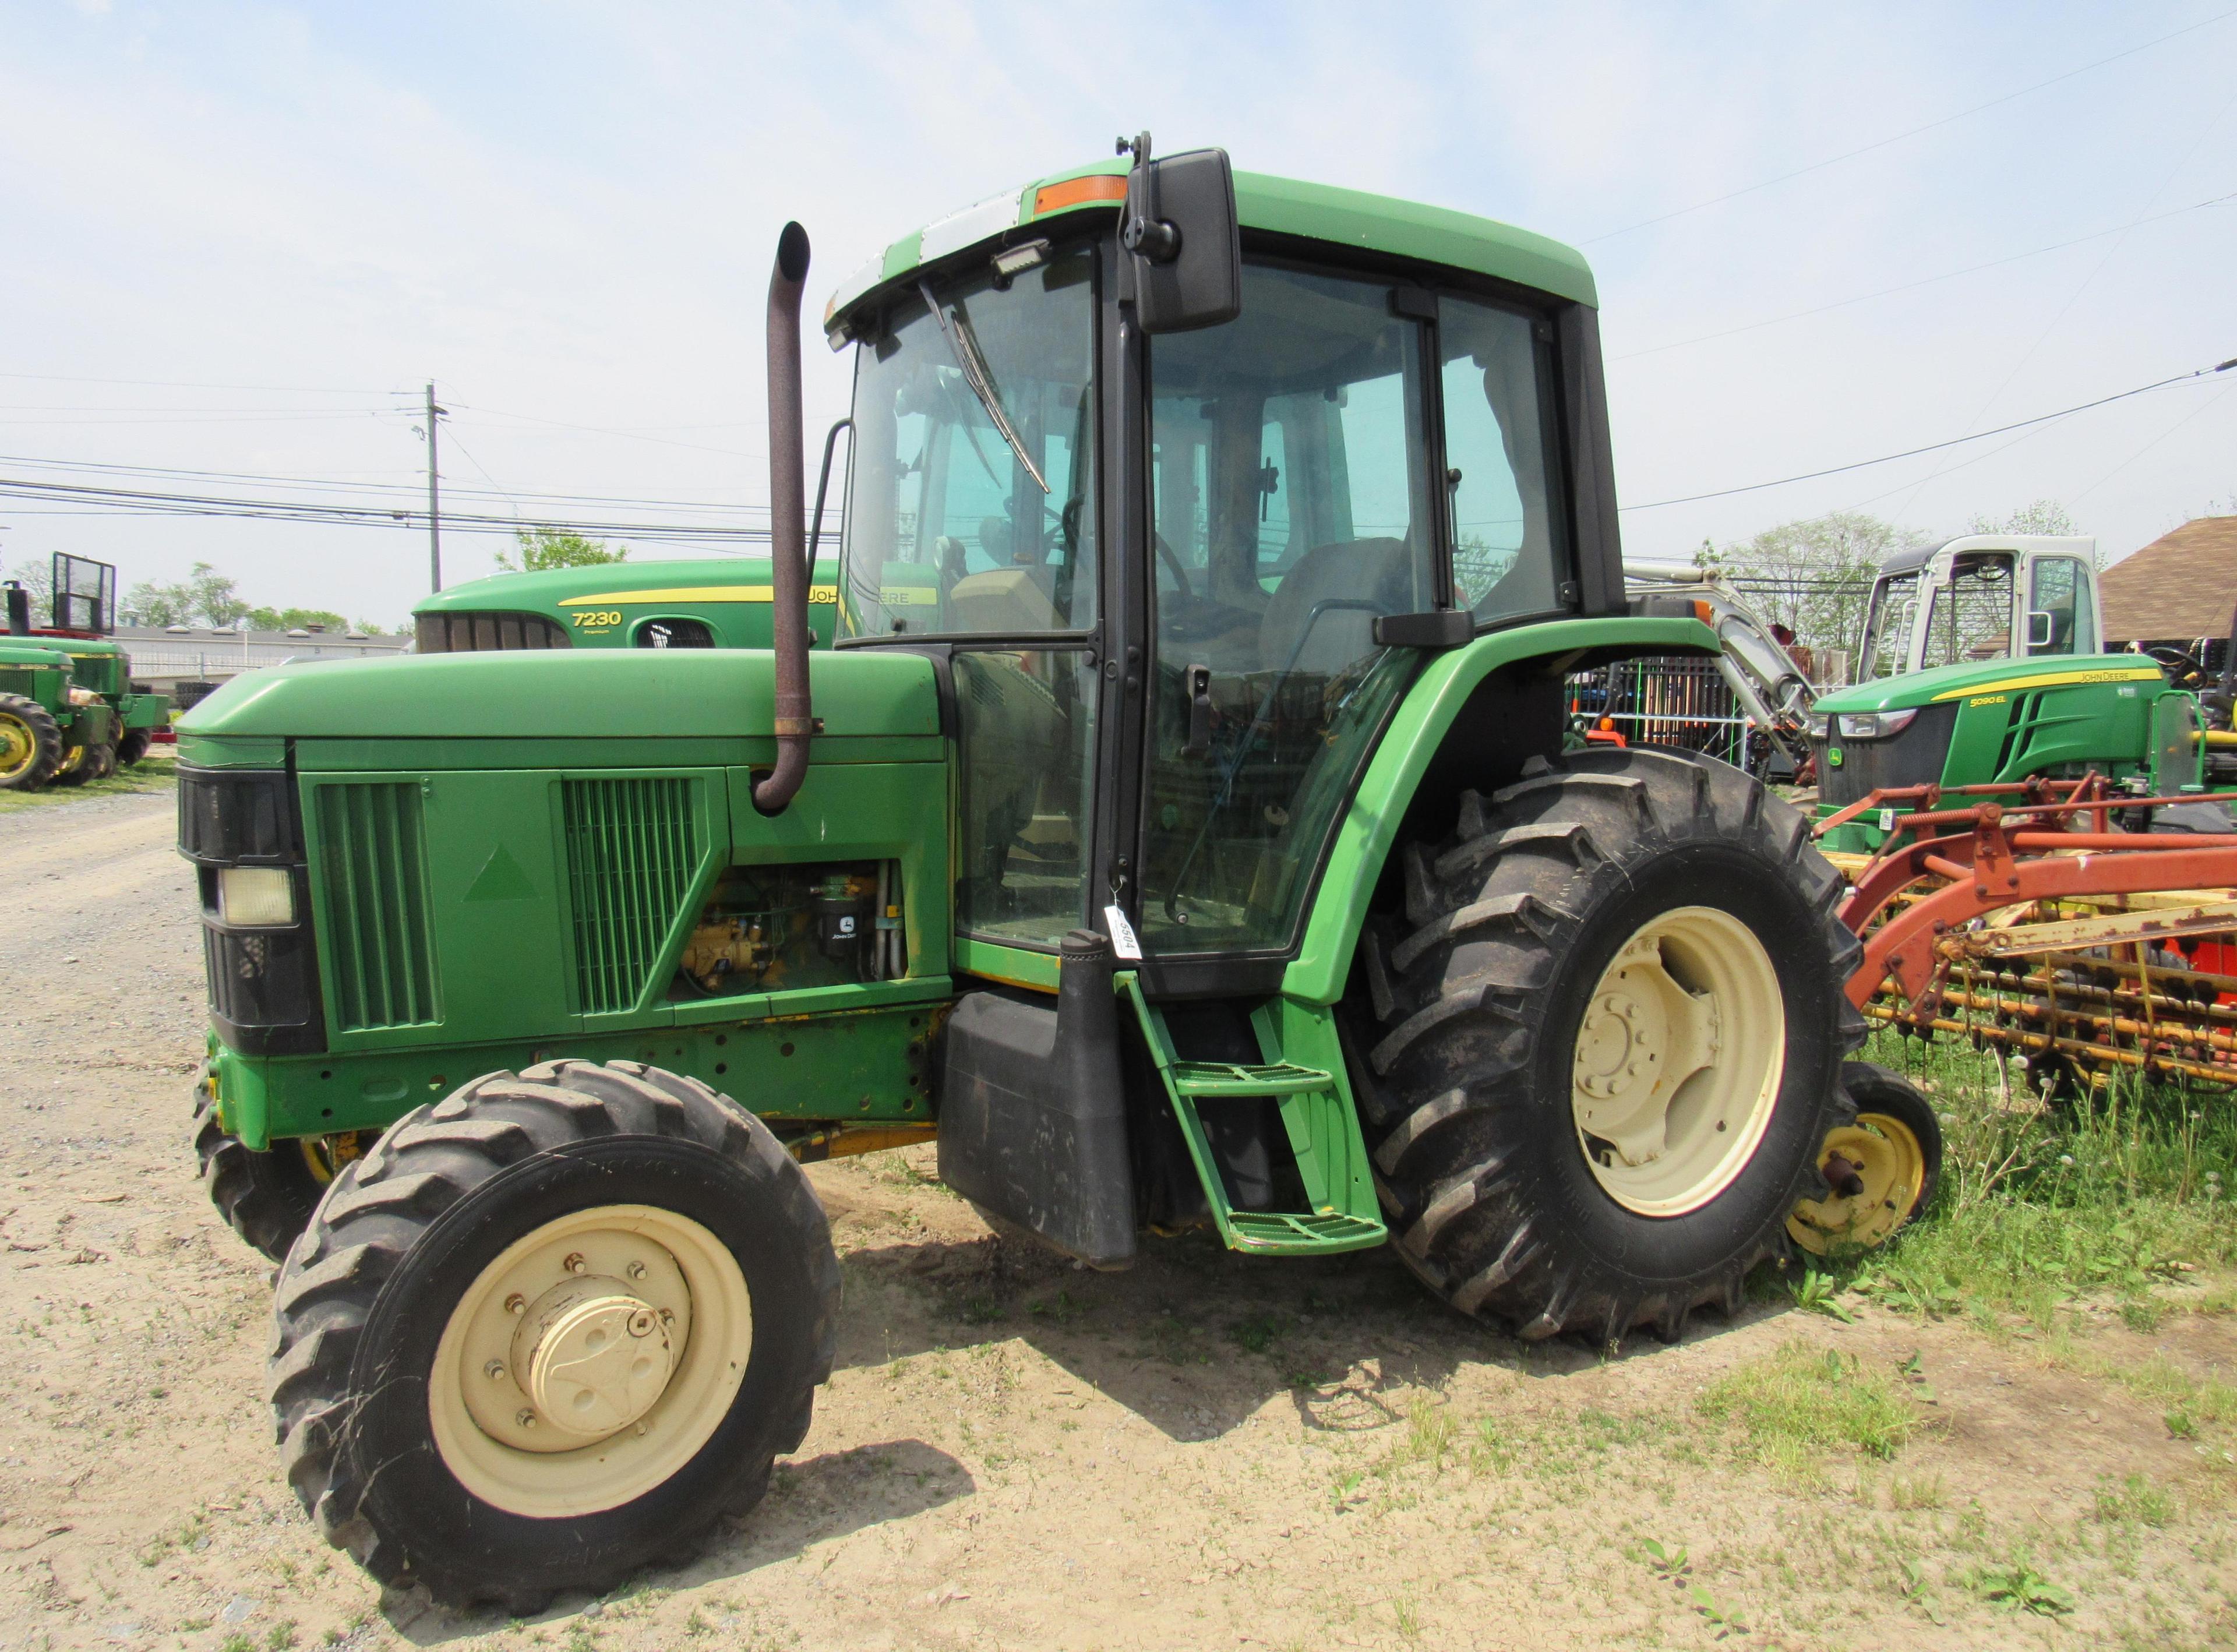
column 1978, row 597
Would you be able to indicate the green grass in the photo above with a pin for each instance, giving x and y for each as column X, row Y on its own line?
column 2112, row 1195
column 1801, row 1408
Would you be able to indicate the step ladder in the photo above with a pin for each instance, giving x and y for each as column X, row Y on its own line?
column 1316, row 1110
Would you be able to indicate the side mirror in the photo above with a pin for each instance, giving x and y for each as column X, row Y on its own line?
column 2039, row 628
column 1183, row 248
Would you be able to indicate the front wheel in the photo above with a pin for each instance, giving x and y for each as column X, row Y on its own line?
column 548, row 1331
column 1600, row 1049
column 1880, row 1171
column 133, row 745
column 30, row 744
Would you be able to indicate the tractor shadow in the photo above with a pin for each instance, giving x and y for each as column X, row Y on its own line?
column 1195, row 1339
column 811, row 1499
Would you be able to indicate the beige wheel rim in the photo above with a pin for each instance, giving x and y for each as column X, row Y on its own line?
column 590, row 1362
column 1887, row 1158
column 1678, row 1062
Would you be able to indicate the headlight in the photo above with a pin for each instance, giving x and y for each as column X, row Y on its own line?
column 255, row 896
column 1876, row 725
column 1820, row 728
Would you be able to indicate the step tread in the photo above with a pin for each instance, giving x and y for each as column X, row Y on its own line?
column 1288, row 1231
column 1234, row 1078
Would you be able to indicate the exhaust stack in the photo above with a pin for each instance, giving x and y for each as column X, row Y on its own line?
column 794, row 721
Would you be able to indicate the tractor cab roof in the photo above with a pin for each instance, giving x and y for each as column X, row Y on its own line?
column 674, row 579
column 1917, row 555
column 1282, row 206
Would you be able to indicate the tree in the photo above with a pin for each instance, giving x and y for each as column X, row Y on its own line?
column 296, row 619
column 37, row 575
column 1813, row 576
column 551, row 548
column 2044, row 516
column 204, row 598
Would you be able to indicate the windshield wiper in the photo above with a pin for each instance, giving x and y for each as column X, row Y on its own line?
column 963, row 345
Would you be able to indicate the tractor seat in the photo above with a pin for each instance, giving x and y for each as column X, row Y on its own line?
column 1373, row 569
column 1003, row 599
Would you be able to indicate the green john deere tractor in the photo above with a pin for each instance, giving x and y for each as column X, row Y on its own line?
column 1178, row 832
column 703, row 603
column 69, row 710
column 1983, row 661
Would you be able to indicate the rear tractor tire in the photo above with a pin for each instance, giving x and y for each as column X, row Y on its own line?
column 1880, row 1172
column 1599, row 1053
column 548, row 1331
column 79, row 764
column 132, row 745
column 30, row 744
column 267, row 1198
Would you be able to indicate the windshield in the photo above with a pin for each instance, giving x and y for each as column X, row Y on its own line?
column 970, row 505
column 1972, row 617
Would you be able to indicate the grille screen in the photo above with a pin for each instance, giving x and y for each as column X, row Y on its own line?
column 373, row 868
column 632, row 849
column 469, row 633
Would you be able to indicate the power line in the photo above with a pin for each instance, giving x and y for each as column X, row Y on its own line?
column 1933, row 447
column 1882, row 143
column 177, row 384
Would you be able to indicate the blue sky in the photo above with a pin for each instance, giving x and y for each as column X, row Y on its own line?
column 564, row 214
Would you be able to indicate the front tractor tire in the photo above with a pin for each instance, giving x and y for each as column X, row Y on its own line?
column 1600, row 1052
column 548, row 1331
column 267, row 1198
column 132, row 745
column 30, row 744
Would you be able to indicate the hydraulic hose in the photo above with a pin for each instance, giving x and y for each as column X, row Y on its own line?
column 794, row 722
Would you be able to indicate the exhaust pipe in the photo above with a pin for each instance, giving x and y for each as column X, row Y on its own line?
column 796, row 722
column 19, row 609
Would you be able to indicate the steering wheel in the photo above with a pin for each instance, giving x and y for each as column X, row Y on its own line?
column 1171, row 559
column 2184, row 670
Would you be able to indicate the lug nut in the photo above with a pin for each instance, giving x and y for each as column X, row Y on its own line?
column 668, row 1316
column 515, row 1304
column 494, row 1369
column 637, row 1269
column 526, row 1417
column 575, row 1264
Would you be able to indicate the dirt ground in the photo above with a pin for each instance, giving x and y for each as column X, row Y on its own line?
column 1207, row 1451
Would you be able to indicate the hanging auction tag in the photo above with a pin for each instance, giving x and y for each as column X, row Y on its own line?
column 1123, row 944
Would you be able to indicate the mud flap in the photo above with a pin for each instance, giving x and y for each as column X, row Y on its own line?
column 1033, row 1116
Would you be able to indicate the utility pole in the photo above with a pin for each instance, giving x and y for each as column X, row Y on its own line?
column 434, row 495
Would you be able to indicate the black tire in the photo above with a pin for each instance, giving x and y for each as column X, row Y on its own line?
column 403, row 1233
column 267, row 1198
column 1465, row 1013
column 30, row 724
column 82, row 764
column 132, row 745
column 1879, row 1094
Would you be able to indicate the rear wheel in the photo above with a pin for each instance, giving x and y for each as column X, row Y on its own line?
column 133, row 745
column 81, row 764
column 30, row 744
column 1880, row 1172
column 1599, row 1050
column 548, row 1331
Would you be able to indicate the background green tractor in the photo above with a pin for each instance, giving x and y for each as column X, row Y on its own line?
column 702, row 603
column 1179, row 831
column 1982, row 662
column 102, row 721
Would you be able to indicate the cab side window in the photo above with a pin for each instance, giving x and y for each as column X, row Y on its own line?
column 2061, row 590
column 1509, row 548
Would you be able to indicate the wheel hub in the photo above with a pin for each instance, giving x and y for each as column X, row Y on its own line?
column 592, row 1357
column 1678, row 1060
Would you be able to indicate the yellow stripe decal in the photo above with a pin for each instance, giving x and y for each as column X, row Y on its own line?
column 695, row 593
column 2054, row 680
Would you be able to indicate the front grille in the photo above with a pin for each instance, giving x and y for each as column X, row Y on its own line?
column 632, row 850
column 263, row 981
column 373, row 872
column 469, row 633
column 1914, row 756
column 260, row 987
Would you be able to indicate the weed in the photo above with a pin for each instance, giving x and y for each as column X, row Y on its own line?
column 1800, row 1403
column 1817, row 1293
column 236, row 1642
column 281, row 1637
column 2020, row 1587
column 1258, row 1334
column 1059, row 1307
column 1344, row 1486
column 2180, row 1425
column 1916, row 1492
column 2143, row 1314
column 1669, row 1560
column 1494, row 1448
column 980, row 1309
column 2134, row 1499
column 1409, row 1617
column 1722, row 1616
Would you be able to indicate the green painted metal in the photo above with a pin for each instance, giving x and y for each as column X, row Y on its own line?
column 1014, row 966
column 641, row 695
column 611, row 604
column 864, row 1059
column 2015, row 718
column 1369, row 828
column 1283, row 206
column 1317, row 1114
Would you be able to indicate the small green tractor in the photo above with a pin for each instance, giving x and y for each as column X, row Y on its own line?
column 1178, row 831
column 69, row 712
column 704, row 603
column 1982, row 662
